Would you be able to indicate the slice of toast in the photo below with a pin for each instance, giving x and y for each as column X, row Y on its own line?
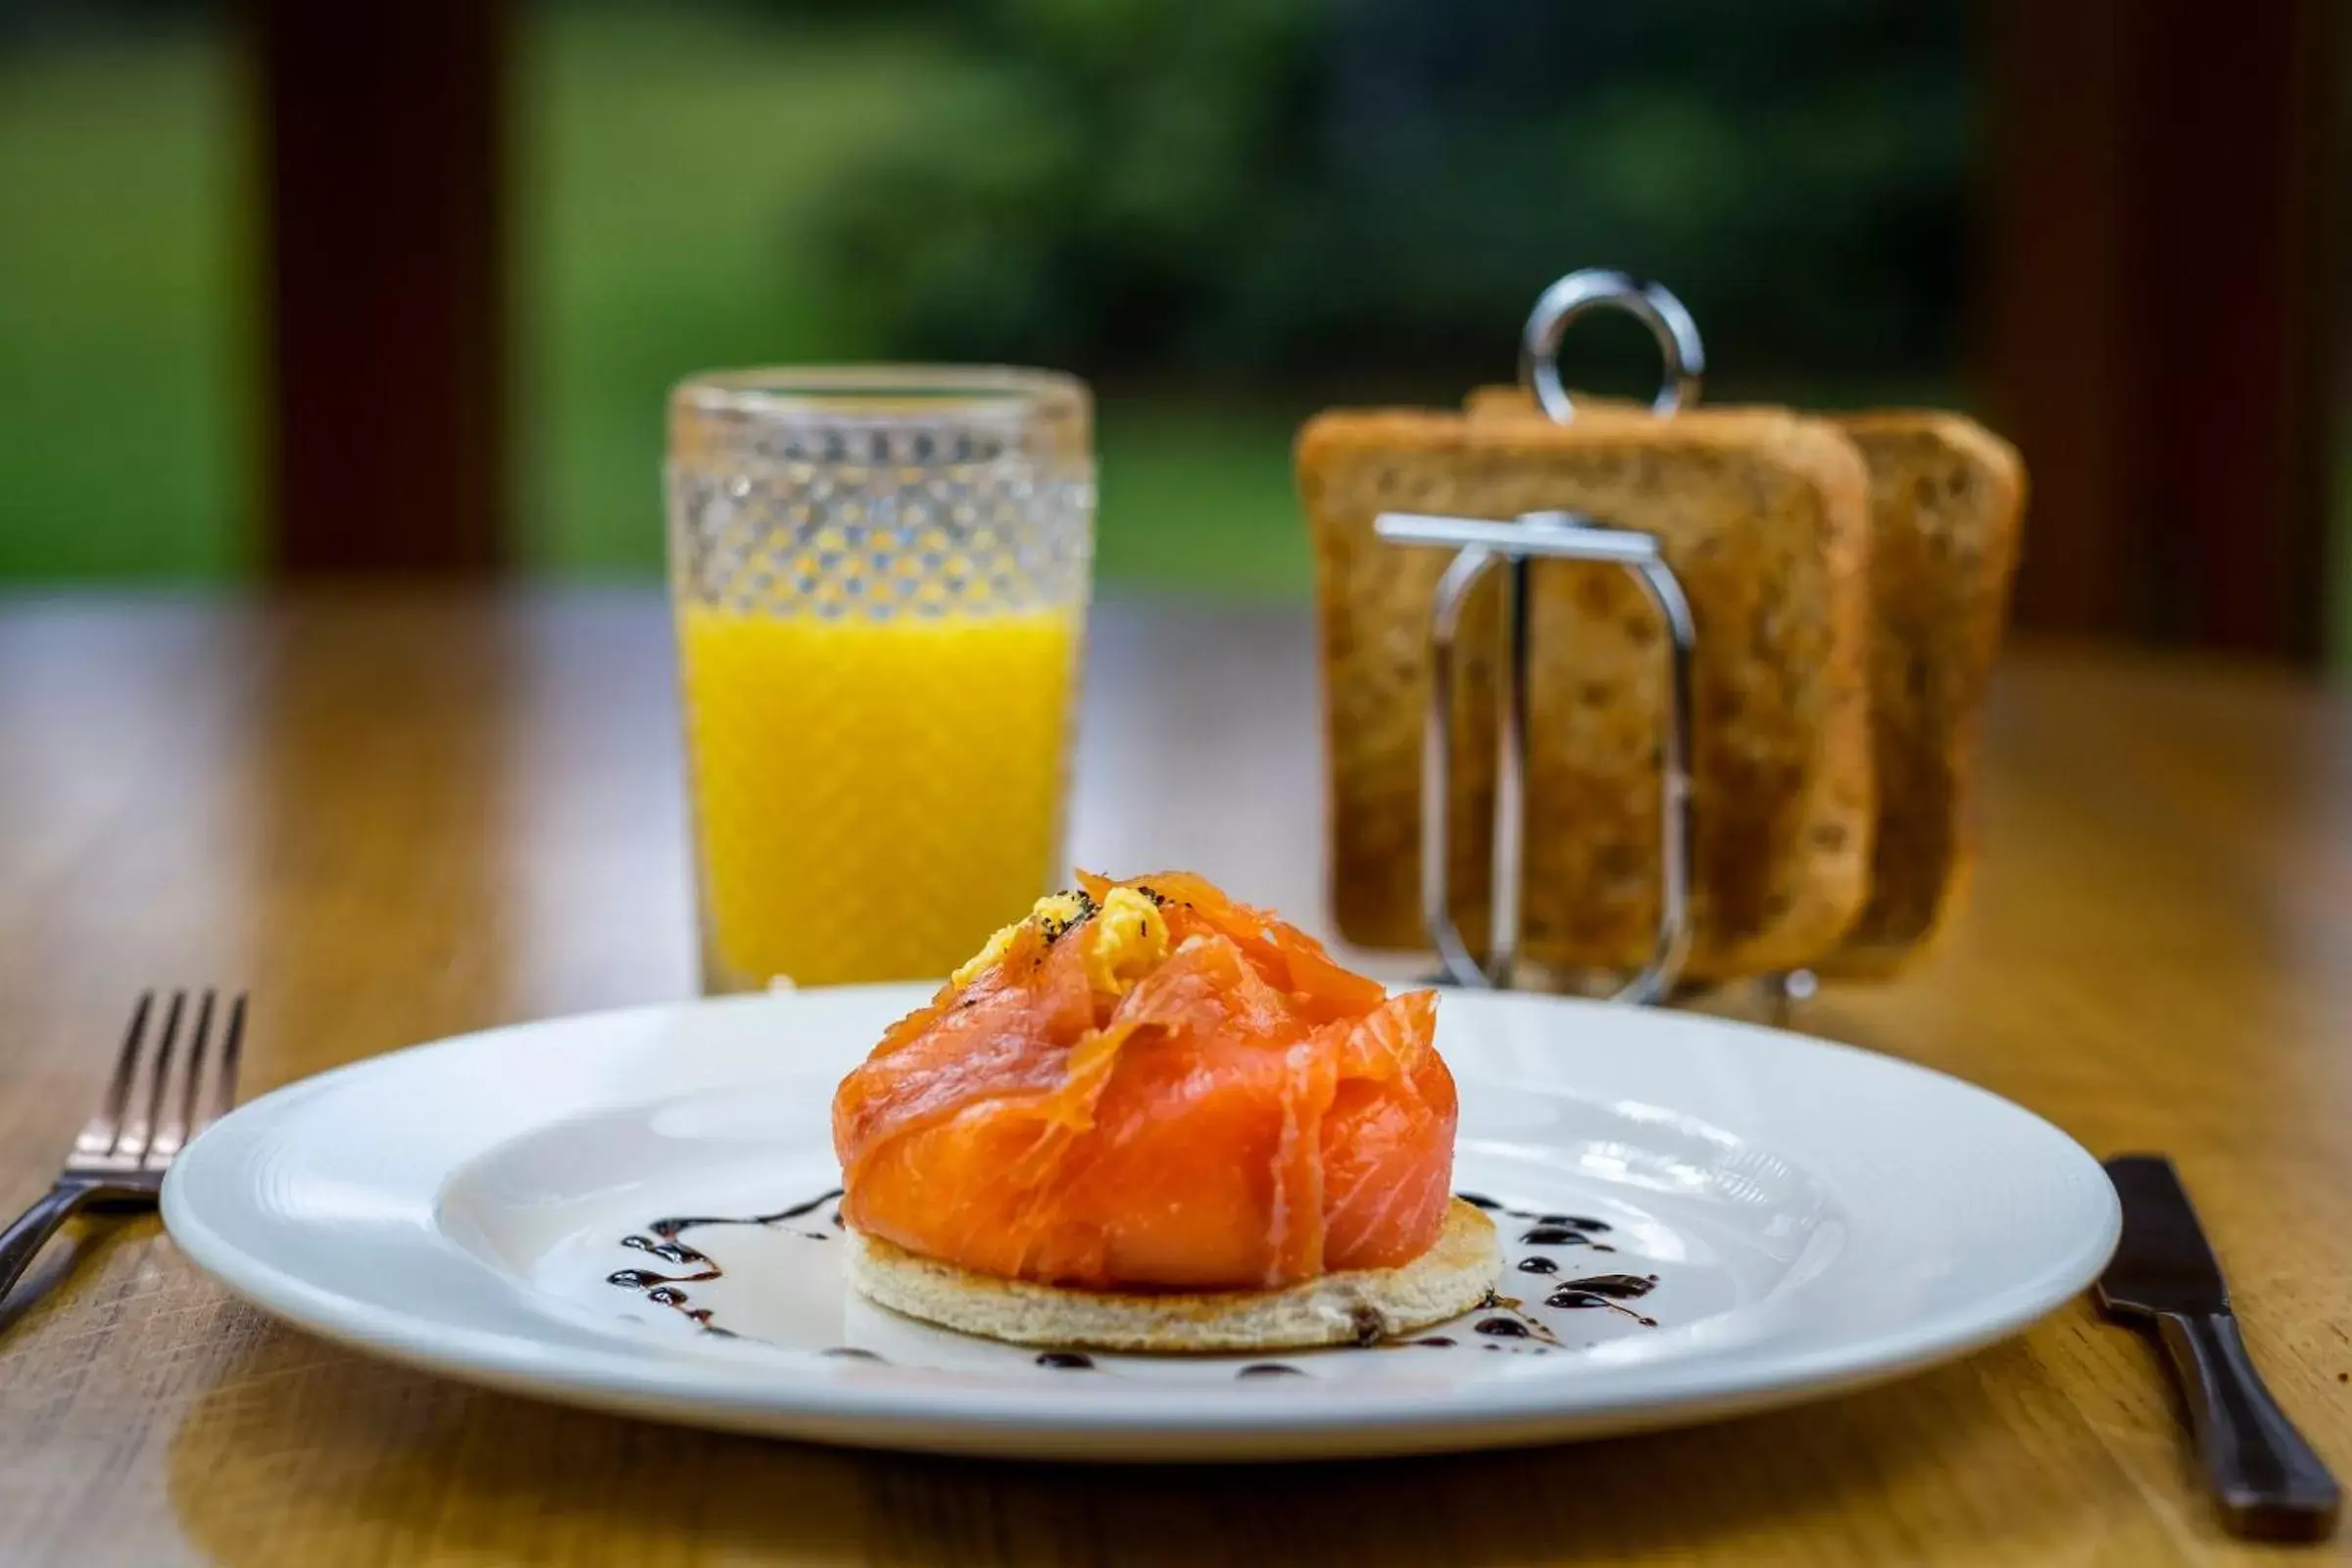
column 1763, row 517
column 1946, row 508
column 1946, row 503
column 1354, row 1306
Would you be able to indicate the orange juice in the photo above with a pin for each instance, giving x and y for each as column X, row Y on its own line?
column 871, row 797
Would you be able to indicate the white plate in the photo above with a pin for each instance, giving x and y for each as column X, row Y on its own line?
column 1816, row 1217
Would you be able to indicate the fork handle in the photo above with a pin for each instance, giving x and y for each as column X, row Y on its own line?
column 21, row 1241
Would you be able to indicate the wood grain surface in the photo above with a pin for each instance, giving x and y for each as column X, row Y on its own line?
column 394, row 817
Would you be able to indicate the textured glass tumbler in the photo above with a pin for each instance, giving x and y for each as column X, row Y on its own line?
column 880, row 575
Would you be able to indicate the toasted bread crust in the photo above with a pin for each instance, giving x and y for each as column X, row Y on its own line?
column 1354, row 1306
column 1946, row 508
column 1947, row 503
column 1763, row 517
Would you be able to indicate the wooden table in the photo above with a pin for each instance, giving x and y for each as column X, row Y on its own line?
column 396, row 818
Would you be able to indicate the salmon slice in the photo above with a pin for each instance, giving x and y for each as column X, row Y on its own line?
column 1148, row 1085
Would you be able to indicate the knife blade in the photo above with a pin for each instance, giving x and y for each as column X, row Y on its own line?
column 2266, row 1479
column 2163, row 1263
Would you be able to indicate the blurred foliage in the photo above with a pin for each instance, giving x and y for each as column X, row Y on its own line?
column 1318, row 187
column 124, row 367
column 1223, row 212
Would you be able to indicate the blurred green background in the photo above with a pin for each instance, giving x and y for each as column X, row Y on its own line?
column 1216, row 212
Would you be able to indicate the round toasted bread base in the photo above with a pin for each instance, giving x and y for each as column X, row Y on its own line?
column 1355, row 1307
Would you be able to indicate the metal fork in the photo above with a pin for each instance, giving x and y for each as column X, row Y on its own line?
column 152, row 1107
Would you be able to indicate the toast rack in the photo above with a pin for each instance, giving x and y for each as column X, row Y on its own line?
column 1511, row 545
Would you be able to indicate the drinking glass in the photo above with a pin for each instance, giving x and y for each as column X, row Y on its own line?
column 880, row 577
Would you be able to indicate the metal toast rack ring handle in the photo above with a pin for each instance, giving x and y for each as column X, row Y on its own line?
column 1482, row 544
column 1557, row 307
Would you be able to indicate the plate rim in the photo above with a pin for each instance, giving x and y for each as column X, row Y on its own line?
column 843, row 1405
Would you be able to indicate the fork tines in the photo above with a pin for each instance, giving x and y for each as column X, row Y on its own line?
column 163, row 1095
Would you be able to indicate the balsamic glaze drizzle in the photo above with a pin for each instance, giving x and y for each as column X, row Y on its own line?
column 661, row 1240
column 1606, row 1291
column 667, row 1252
column 1555, row 1235
column 637, row 1279
column 671, row 1229
column 1579, row 1222
column 1511, row 1322
column 671, row 1296
column 1507, row 1320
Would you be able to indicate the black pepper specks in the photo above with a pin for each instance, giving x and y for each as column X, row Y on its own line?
column 1054, row 929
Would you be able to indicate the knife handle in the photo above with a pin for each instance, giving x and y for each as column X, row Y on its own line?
column 2269, row 1482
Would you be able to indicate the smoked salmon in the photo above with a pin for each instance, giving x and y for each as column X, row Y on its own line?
column 1144, row 1084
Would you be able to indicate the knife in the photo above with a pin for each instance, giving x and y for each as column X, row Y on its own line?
column 2265, row 1479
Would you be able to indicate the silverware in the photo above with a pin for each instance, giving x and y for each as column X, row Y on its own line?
column 152, row 1108
column 2267, row 1479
